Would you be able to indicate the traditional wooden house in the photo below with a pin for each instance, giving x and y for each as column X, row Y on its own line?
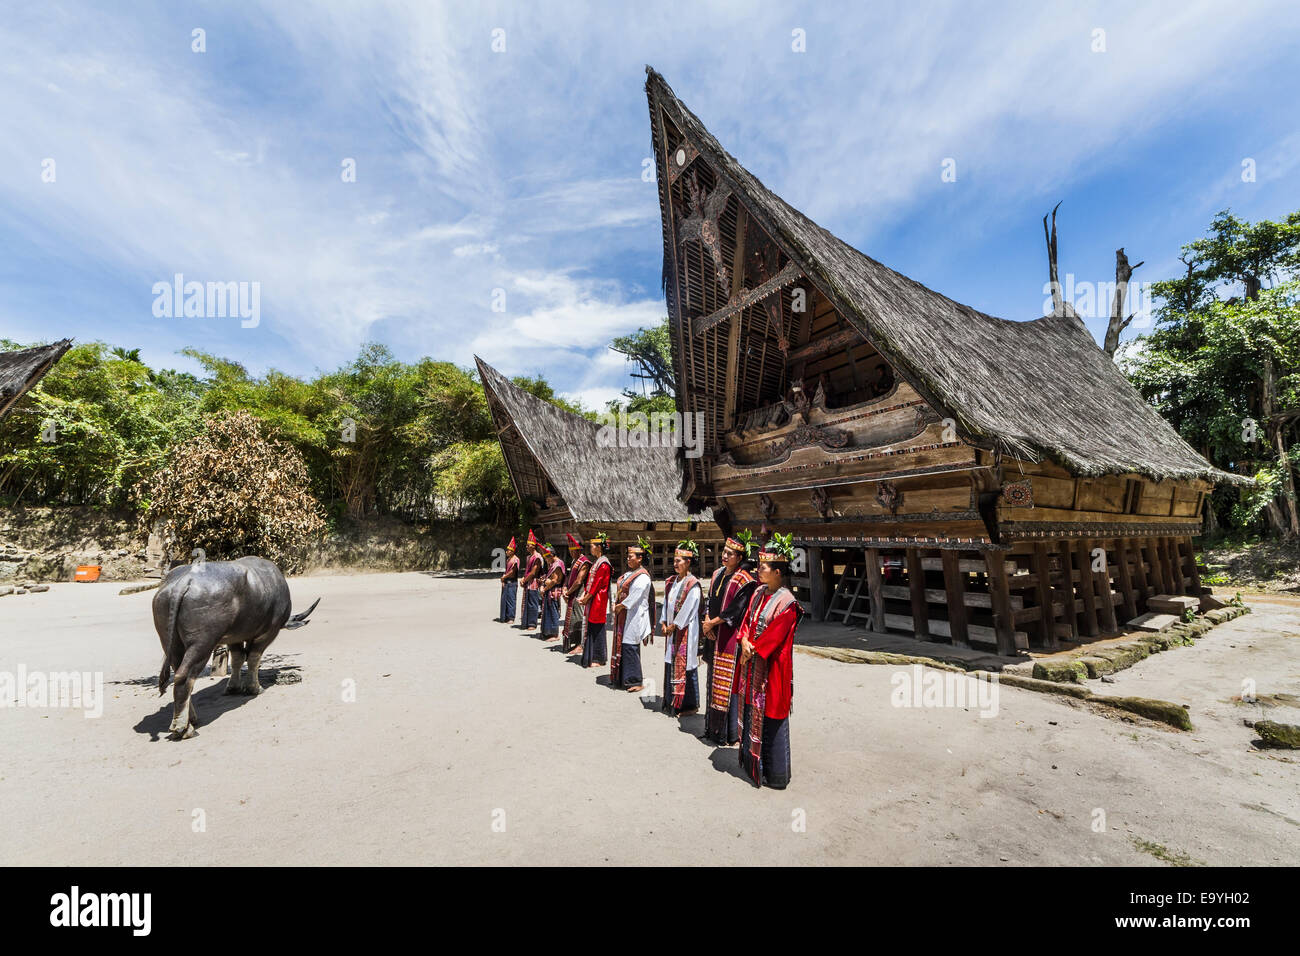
column 21, row 369
column 949, row 474
column 582, row 484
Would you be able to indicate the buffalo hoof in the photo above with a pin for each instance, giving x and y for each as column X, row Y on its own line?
column 233, row 687
column 252, row 690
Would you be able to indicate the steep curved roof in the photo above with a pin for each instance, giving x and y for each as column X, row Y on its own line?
column 1036, row 389
column 597, row 483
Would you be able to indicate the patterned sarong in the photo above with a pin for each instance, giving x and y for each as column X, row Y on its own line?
column 681, row 638
column 752, row 691
column 722, row 675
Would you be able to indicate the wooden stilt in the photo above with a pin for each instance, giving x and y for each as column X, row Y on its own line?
column 1104, row 592
column 1003, row 623
column 1125, row 577
column 1066, row 555
column 1047, row 616
column 1159, row 585
column 1144, row 590
column 1195, row 573
column 1176, row 564
column 1087, row 587
column 916, row 583
column 954, row 582
column 816, row 584
column 875, row 591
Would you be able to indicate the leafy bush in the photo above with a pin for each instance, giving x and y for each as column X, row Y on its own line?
column 232, row 491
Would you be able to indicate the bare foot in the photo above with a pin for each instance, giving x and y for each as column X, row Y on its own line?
column 633, row 690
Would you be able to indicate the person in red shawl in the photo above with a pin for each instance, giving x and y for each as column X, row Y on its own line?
column 552, row 588
column 595, row 601
column 765, row 679
column 574, row 620
column 532, row 583
column 509, row 585
column 728, row 596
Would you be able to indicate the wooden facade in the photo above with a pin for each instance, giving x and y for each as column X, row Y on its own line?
column 909, row 443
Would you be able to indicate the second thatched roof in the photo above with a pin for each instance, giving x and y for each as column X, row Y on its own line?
column 545, row 445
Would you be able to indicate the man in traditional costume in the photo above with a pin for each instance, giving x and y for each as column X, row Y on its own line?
column 681, row 625
column 730, row 589
column 509, row 585
column 532, row 583
column 633, row 600
column 765, row 678
column 574, row 620
column 552, row 588
column 595, row 602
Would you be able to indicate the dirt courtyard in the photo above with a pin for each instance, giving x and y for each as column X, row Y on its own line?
column 404, row 726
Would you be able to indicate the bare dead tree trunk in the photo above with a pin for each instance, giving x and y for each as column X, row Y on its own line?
column 1117, row 324
column 1058, row 305
column 1275, row 428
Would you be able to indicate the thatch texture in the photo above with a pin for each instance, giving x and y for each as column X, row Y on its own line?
column 545, row 445
column 1036, row 389
column 23, row 368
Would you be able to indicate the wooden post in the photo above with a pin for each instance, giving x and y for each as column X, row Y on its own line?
column 1140, row 575
column 816, row 584
column 1176, row 563
column 954, row 583
column 1066, row 554
column 1047, row 617
column 1004, row 624
column 1104, row 594
column 1125, row 579
column 876, row 591
column 916, row 582
column 1158, row 583
column 1087, row 587
column 1193, row 570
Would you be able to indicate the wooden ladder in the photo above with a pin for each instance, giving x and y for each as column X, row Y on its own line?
column 848, row 595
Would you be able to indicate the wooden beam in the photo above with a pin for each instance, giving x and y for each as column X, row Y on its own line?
column 834, row 342
column 1003, row 623
column 733, row 331
column 875, row 591
column 787, row 276
column 955, row 584
column 1047, row 620
column 920, row 606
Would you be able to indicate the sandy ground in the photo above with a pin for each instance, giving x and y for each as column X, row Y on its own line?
column 470, row 742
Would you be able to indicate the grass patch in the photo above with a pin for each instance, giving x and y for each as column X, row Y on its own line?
column 1163, row 853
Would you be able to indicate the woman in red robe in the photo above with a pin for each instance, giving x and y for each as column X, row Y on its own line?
column 765, row 677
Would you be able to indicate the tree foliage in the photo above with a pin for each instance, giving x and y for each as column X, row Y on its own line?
column 232, row 491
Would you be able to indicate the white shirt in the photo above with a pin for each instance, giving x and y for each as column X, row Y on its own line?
column 689, row 618
column 636, row 627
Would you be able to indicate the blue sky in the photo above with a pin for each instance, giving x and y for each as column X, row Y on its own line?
column 521, row 170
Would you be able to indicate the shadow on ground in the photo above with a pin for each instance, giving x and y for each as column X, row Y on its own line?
column 212, row 702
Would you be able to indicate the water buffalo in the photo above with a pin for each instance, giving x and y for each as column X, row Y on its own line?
column 242, row 604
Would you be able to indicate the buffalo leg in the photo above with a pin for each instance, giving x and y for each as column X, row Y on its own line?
column 183, row 714
column 235, row 683
column 255, row 651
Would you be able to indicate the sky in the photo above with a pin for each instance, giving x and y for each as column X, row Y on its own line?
column 498, row 205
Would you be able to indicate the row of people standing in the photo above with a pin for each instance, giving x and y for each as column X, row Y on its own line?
column 747, row 618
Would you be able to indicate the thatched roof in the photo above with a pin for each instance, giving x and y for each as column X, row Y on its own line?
column 547, row 446
column 1036, row 389
column 23, row 368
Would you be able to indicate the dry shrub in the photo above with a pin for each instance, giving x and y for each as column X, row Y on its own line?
column 232, row 491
